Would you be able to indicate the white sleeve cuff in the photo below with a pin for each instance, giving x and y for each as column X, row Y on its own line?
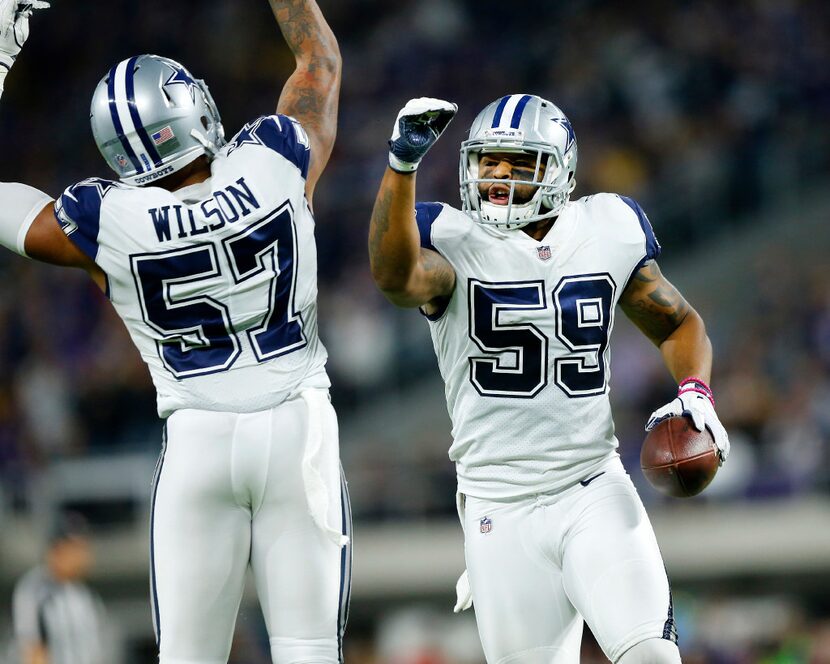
column 19, row 205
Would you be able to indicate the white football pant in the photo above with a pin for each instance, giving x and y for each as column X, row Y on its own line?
column 234, row 489
column 538, row 566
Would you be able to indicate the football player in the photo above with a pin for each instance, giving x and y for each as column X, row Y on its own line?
column 206, row 250
column 520, row 288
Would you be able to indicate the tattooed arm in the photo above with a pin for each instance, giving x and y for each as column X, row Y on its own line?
column 310, row 95
column 408, row 275
column 664, row 316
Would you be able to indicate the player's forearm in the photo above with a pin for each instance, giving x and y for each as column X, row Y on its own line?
column 687, row 351
column 305, row 29
column 315, row 83
column 394, row 245
column 311, row 93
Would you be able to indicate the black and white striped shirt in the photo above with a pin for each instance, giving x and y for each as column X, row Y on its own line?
column 66, row 617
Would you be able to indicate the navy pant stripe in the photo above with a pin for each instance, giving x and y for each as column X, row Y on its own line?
column 350, row 528
column 345, row 567
column 670, row 627
column 153, row 590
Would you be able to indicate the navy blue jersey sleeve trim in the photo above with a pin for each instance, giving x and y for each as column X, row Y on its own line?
column 280, row 133
column 652, row 245
column 78, row 211
column 438, row 314
column 425, row 216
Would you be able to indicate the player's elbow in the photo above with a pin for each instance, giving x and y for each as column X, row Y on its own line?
column 324, row 61
column 391, row 283
column 401, row 298
column 395, row 287
column 333, row 61
column 328, row 47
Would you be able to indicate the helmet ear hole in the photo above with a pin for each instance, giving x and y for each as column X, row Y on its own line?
column 204, row 122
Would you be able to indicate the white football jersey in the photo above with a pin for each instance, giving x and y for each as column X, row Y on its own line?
column 216, row 282
column 522, row 344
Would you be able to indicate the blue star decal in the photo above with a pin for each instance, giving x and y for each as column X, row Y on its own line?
column 246, row 135
column 100, row 185
column 181, row 77
column 566, row 125
column 84, row 200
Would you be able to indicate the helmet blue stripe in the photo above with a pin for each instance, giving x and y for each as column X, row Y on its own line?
column 139, row 126
column 517, row 114
column 116, row 122
column 500, row 110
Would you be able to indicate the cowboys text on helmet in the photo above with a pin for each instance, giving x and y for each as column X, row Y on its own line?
column 150, row 118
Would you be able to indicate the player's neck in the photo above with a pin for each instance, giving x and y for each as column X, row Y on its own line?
column 193, row 173
column 538, row 229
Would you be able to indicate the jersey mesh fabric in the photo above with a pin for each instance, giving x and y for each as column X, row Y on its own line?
column 217, row 285
column 523, row 344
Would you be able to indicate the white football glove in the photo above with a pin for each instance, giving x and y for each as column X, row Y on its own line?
column 463, row 594
column 417, row 127
column 14, row 31
column 694, row 399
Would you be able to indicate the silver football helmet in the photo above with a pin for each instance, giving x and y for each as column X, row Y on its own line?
column 526, row 124
column 150, row 118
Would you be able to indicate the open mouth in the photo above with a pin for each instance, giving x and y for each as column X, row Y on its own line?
column 498, row 194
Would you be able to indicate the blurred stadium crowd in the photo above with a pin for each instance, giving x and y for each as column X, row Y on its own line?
column 711, row 114
column 707, row 114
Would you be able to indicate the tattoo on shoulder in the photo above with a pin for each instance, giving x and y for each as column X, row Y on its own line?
column 439, row 272
column 653, row 303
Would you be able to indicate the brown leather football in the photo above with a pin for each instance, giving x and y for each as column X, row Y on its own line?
column 677, row 459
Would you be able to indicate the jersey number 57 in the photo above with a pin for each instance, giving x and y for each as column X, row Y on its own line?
column 195, row 329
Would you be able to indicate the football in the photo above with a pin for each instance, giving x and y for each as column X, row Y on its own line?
column 677, row 459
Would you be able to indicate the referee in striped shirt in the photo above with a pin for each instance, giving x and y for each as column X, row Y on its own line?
column 57, row 618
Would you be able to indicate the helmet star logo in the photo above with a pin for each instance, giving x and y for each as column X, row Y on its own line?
column 566, row 125
column 181, row 77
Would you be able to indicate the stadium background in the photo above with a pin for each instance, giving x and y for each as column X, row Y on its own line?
column 712, row 115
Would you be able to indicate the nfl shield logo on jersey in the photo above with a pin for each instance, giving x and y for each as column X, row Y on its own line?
column 543, row 253
column 485, row 525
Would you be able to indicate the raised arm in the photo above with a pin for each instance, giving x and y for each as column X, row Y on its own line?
column 407, row 274
column 663, row 315
column 28, row 225
column 310, row 95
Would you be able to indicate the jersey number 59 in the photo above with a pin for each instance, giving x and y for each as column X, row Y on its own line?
column 516, row 357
